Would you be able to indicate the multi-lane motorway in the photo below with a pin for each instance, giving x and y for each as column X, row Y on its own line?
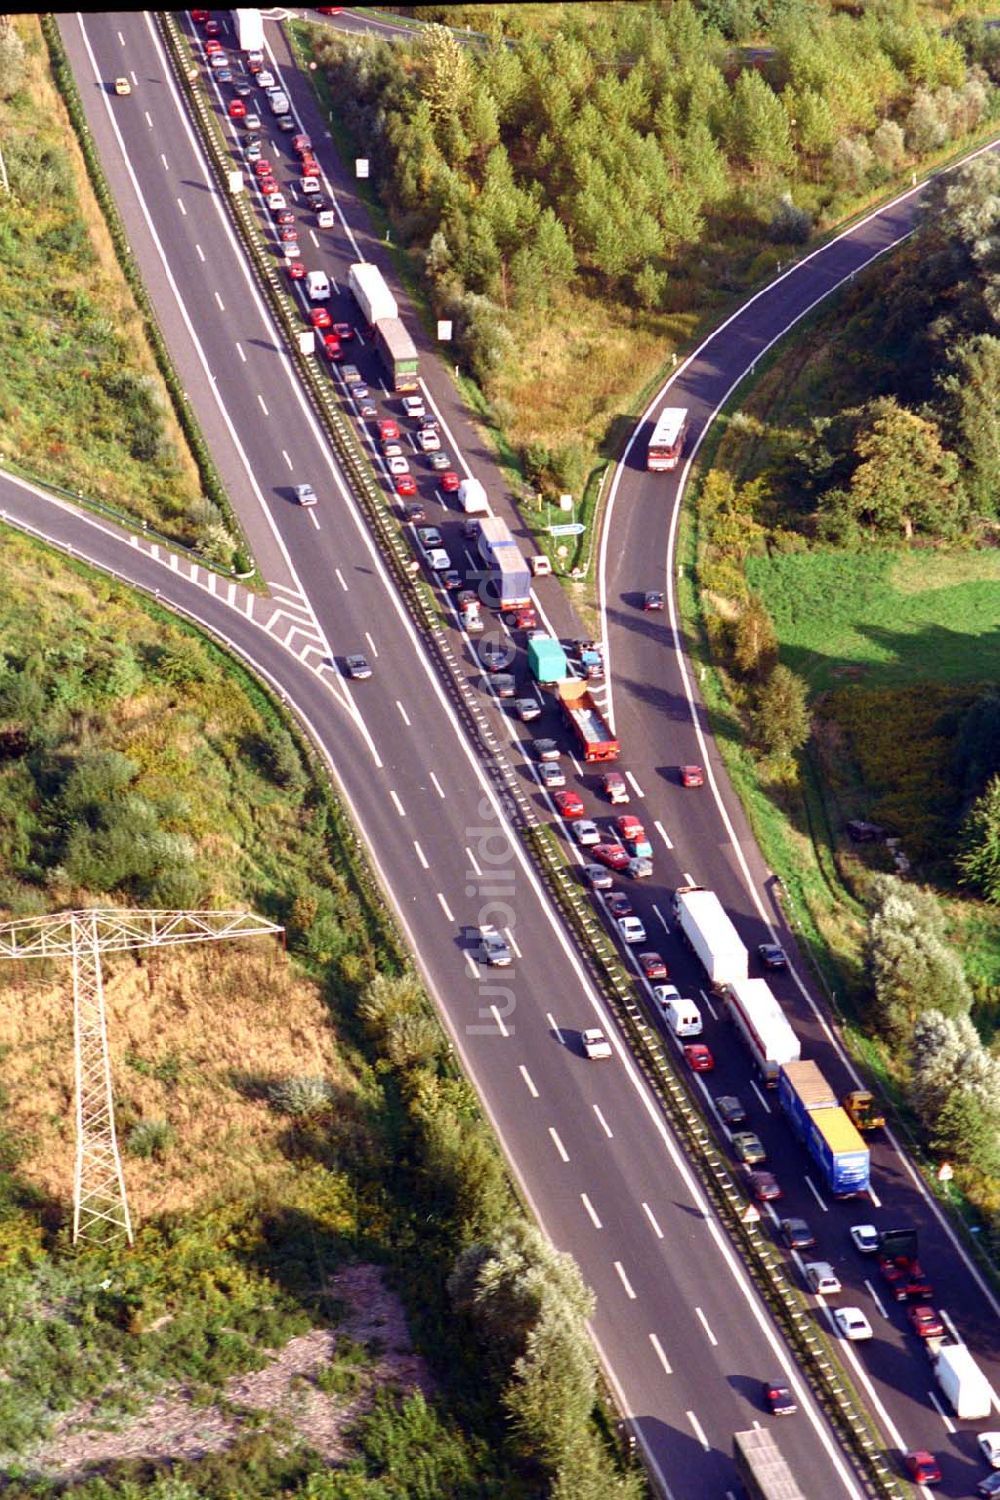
column 681, row 1334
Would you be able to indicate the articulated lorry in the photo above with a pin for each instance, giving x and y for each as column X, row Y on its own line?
column 592, row 730
column 398, row 354
column 249, row 30
column 825, row 1130
column 501, row 554
column 705, row 926
column 370, row 292
column 761, row 1467
column 763, row 1025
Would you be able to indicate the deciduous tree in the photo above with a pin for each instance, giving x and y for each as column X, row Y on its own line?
column 781, row 713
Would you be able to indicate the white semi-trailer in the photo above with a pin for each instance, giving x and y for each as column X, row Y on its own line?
column 757, row 1016
column 371, row 293
column 249, row 30
column 704, row 924
column 963, row 1382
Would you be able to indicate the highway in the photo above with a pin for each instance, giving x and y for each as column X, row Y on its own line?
column 681, row 1336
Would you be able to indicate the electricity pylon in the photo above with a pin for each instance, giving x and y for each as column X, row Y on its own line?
column 100, row 1205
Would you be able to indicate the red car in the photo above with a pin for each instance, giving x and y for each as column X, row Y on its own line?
column 320, row 318
column 284, row 216
column 345, row 331
column 612, row 855
column 763, row 1185
column 692, row 776
column 652, row 966
column 331, row 347
column 289, row 235
column 525, row 618
column 263, row 168
column 926, row 1321
column 296, row 270
column 199, row 17
column 301, row 144
column 570, row 804
column 309, row 166
column 922, row 1467
column 388, row 430
column 629, row 827
column 211, row 47
column 405, row 484
column 449, row 481
column 237, row 109
column 698, row 1057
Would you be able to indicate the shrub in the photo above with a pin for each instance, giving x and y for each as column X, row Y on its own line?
column 150, row 1138
column 790, row 225
column 304, row 1097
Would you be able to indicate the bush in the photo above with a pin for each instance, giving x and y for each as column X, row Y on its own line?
column 790, row 225
column 303, row 1097
column 150, row 1139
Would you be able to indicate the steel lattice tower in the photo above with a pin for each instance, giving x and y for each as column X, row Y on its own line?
column 100, row 1204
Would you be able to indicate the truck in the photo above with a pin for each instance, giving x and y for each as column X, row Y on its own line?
column 763, row 1471
column 825, row 1130
column 584, row 717
column 963, row 1382
column 900, row 1268
column 249, row 26
column 370, row 292
column 546, row 659
column 862, row 1110
column 398, row 354
column 501, row 554
column 705, row 926
column 763, row 1025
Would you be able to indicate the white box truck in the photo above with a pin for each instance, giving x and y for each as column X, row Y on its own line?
column 704, row 925
column 370, row 292
column 249, row 30
column 472, row 498
column 963, row 1382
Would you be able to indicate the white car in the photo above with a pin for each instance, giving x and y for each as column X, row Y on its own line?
column 595, row 1043
column 631, row 930
column 252, row 122
column 398, row 465
column 586, row 832
column 413, row 406
column 664, row 994
column 392, row 450
column 551, row 774
column 438, row 560
column 822, row 1278
column 265, row 80
column 428, row 440
column 276, row 201
column 853, row 1324
column 865, row 1238
column 989, row 1446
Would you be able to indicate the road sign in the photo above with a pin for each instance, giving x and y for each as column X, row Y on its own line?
column 751, row 1214
column 570, row 528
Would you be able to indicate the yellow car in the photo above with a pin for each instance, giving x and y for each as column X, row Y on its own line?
column 122, row 86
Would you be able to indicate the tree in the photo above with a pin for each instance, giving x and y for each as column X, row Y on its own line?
column 972, row 408
column 11, row 58
column 979, row 859
column 757, row 127
column 781, row 713
column 446, row 77
column 906, row 480
column 888, row 145
column 755, row 640
column 851, row 161
column 908, row 961
column 923, row 127
column 937, row 1047
column 968, row 1129
column 553, row 1387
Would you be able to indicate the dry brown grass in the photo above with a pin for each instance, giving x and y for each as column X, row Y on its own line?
column 229, row 1019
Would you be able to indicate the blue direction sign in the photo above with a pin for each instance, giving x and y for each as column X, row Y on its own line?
column 570, row 528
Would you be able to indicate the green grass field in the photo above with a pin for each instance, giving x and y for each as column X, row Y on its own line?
column 884, row 618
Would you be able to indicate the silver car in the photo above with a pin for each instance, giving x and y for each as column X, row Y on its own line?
column 305, row 494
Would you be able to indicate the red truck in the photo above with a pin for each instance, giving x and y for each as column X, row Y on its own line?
column 587, row 722
column 897, row 1259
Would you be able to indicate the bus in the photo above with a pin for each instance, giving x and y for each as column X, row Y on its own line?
column 667, row 441
column 762, row 1024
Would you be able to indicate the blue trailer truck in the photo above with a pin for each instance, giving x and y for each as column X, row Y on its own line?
column 825, row 1130
column 501, row 554
column 547, row 659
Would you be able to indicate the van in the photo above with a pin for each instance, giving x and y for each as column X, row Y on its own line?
column 683, row 1017
column 278, row 102
column 540, row 565
column 325, row 218
column 472, row 498
column 318, row 286
column 437, row 559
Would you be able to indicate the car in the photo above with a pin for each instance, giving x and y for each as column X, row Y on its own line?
column 414, row 512
column 796, row 1234
column 251, row 121
column 267, row 185
column 429, row 536
column 358, row 668
column 212, row 28
column 276, row 201
column 665, row 995
column 861, row 832
column 568, row 804
column 922, row 1467
column 212, row 46
column 631, row 930
column 285, row 122
column 906, row 1279
column 359, row 390
column 748, row 1147
column 413, row 406
column 617, row 904
column 439, row 461
column 639, row 869
column 438, row 560
column 595, row 1043
column 302, row 144
column 316, row 202
column 586, row 832
column 763, row 1185
column 263, row 169
column 551, row 774
column 989, row 1486
column 367, row 408
column 388, row 430
column 305, row 494
column 503, row 684
column 389, row 450
column 309, row 187
column 224, row 74
column 527, row 709
column 493, row 656
column 288, row 236
column 852, row 1324
column 821, row 1278
column 731, row 1109
column 253, row 151
column 989, row 1446
column 611, row 855
column 927, row 1324
column 865, row 1238
column 218, row 60
column 698, row 1058
column 428, row 440
column 597, row 877
column 242, row 90
column 778, row 1399
column 319, row 317
column 652, row 599
column 652, row 965
column 296, row 270
column 283, row 217
column 396, row 465
column 405, row 485
column 345, row 331
column 266, row 79
column 492, row 949
column 452, row 580
column 614, row 787
column 629, row 827
column 237, row 109
column 122, row 87
column 771, row 956
column 546, row 749
column 523, row 617
column 692, row 776
column 331, row 347
column 467, row 598
column 199, row 17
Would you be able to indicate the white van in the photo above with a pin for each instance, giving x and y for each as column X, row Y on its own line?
column 683, row 1017
column 540, row 565
column 472, row 498
column 318, row 286
column 278, row 102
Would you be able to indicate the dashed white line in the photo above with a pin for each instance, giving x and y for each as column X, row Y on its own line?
column 201, row 257
column 662, row 832
column 149, row 118
column 371, row 643
column 948, row 1423
column 576, row 764
column 263, row 404
column 180, row 205
column 688, row 879
column 704, row 1323
column 658, row 1351
column 437, row 786
column 815, row 1192
column 590, row 1209
column 551, row 1020
column 498, row 1018
column 666, row 925
column 709, row 1006
column 403, row 714
column 760, row 1095
column 222, row 305
column 603, row 1123
column 164, row 161
column 876, row 1201
column 284, row 451
column 121, row 38
column 558, row 1143
column 421, row 855
column 396, row 803
column 650, row 1216
column 445, row 907
column 698, row 1430
column 639, row 793
column 625, row 1281
column 340, row 576
column 876, row 1299
column 472, row 964
column 473, row 864
column 510, row 938
column 312, row 236
column 527, row 1078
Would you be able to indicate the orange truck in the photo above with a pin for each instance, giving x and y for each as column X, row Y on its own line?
column 587, row 722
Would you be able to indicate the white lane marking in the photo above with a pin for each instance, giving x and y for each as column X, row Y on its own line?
column 403, row 714
column 284, row 451
column 666, row 925
column 180, row 205
column 815, row 1192
column 472, row 964
column 473, row 863
column 239, row 351
column 396, row 802
column 527, row 1078
column 222, row 305
column 946, row 1320
column 420, row 855
column 201, row 257
column 498, row 1018
column 688, row 879
column 510, row 938
column 649, row 1215
column 875, row 1199
column 558, row 1144
column 371, row 643
column 876, row 1299
column 340, row 579
column 590, row 1209
column 704, row 1323
column 576, row 763
column 164, row 161
column 312, row 236
column 121, row 38
column 437, row 786
column 639, row 793
column 445, row 907
column 760, row 1095
column 131, row 74
column 149, row 118
column 603, row 1123
column 558, row 1031
column 263, row 404
column 625, row 1281
column 658, row 1351
column 709, row 1006
column 948, row 1423
column 662, row 832
column 698, row 1430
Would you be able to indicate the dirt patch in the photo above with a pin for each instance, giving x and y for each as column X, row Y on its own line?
column 173, row 1427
